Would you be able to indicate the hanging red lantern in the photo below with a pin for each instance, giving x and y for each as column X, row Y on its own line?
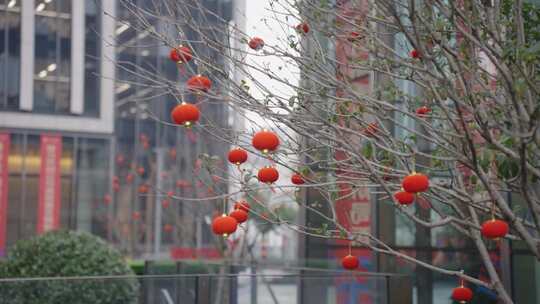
column 136, row 215
column 238, row 156
column 350, row 262
column 297, row 179
column 239, row 215
column 129, row 178
column 143, row 189
column 256, row 43
column 181, row 54
column 242, row 205
column 168, row 228
column 185, row 114
column 165, row 203
column 302, row 28
column 268, row 175
column 224, row 225
column 354, row 36
column 462, row 294
column 107, row 199
column 199, row 83
column 372, row 129
column 404, row 198
column 265, row 141
column 415, row 182
column 140, row 170
column 495, row 229
column 422, row 111
column 414, row 54
column 120, row 159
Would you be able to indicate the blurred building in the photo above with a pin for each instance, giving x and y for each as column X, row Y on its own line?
column 81, row 146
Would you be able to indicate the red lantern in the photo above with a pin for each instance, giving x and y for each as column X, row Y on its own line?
column 302, row 28
column 256, row 43
column 462, row 294
column 494, row 229
column 415, row 182
column 165, row 203
column 136, row 215
column 239, row 215
column 297, row 179
column 143, row 189
column 185, row 113
column 265, row 141
column 107, row 199
column 181, row 54
column 372, row 129
column 415, row 54
column 238, row 156
column 268, row 175
column 350, row 262
column 422, row 111
column 404, row 198
column 199, row 83
column 140, row 170
column 242, row 205
column 168, row 228
column 224, row 225
column 129, row 178
column 354, row 36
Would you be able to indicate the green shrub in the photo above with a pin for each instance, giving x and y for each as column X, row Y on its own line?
column 66, row 254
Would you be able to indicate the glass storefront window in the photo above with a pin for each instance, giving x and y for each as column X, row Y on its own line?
column 52, row 56
column 10, row 49
column 91, row 60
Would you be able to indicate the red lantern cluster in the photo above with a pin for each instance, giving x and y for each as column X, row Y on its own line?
column 495, row 229
column 415, row 182
column 404, row 198
column 268, row 175
column 256, row 43
column 302, row 28
column 422, row 111
column 242, row 205
column 181, row 54
column 297, row 179
column 462, row 294
column 185, row 114
column 414, row 54
column 238, row 156
column 239, row 215
column 350, row 262
column 199, row 83
column 224, row 225
column 265, row 141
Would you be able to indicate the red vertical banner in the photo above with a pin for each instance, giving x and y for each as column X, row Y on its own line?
column 4, row 154
column 49, row 183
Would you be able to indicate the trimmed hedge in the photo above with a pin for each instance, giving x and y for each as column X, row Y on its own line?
column 66, row 254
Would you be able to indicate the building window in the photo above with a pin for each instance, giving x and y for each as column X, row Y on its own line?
column 52, row 56
column 10, row 49
column 92, row 55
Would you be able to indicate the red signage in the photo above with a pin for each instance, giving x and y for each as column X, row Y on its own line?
column 49, row 183
column 4, row 153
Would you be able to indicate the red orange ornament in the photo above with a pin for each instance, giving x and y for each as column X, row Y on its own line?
column 462, row 294
column 495, row 229
column 242, row 205
column 414, row 54
column 239, row 215
column 265, row 141
column 415, row 182
column 404, row 198
column 350, row 262
column 297, row 179
column 268, row 175
column 181, row 54
column 224, row 225
column 165, row 203
column 185, row 114
column 238, row 156
column 256, row 43
column 302, row 28
column 199, row 83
